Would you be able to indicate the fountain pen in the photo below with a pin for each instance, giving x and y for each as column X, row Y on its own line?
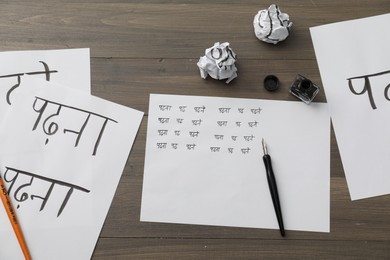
column 272, row 187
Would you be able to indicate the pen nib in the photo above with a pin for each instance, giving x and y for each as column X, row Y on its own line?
column 264, row 146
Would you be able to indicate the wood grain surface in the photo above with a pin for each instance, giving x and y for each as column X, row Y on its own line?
column 142, row 47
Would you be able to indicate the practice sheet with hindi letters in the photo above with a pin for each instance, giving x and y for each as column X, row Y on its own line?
column 62, row 155
column 203, row 162
column 354, row 62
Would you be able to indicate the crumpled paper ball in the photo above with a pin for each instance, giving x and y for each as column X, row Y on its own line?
column 271, row 25
column 218, row 62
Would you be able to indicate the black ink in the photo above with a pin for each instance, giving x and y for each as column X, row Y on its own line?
column 224, row 110
column 70, row 191
column 367, row 87
column 219, row 53
column 194, row 133
column 44, row 199
column 163, row 120
column 249, row 138
column 100, row 136
column 165, row 107
column 200, row 109
column 40, row 111
column 161, row 145
column 191, row 146
column 197, row 122
column 245, row 150
column 222, row 123
column 79, row 133
column 12, row 89
column 53, row 127
column 387, row 92
column 219, row 137
column 215, row 149
column 24, row 195
column 256, row 111
column 162, row 132
column 47, row 73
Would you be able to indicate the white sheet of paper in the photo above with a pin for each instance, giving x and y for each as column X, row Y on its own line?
column 58, row 142
column 203, row 162
column 357, row 50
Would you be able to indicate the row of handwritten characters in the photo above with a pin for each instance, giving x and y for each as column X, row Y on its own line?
column 193, row 146
column 21, row 183
column 248, row 138
column 198, row 122
column 220, row 110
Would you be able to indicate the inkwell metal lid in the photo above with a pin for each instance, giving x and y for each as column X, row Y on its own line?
column 271, row 83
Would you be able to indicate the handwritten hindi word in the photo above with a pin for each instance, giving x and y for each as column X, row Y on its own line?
column 161, row 145
column 197, row 122
column 191, row 146
column 222, row 123
column 245, row 150
column 200, row 109
column 163, row 120
column 162, row 132
column 51, row 128
column 165, row 107
column 219, row 137
column 194, row 133
column 256, row 111
column 367, row 87
column 18, row 76
column 21, row 181
column 217, row 149
column 248, row 138
column 224, row 110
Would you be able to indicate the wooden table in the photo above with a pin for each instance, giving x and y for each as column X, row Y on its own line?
column 141, row 47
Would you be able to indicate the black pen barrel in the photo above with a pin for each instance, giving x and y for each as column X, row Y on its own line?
column 274, row 191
